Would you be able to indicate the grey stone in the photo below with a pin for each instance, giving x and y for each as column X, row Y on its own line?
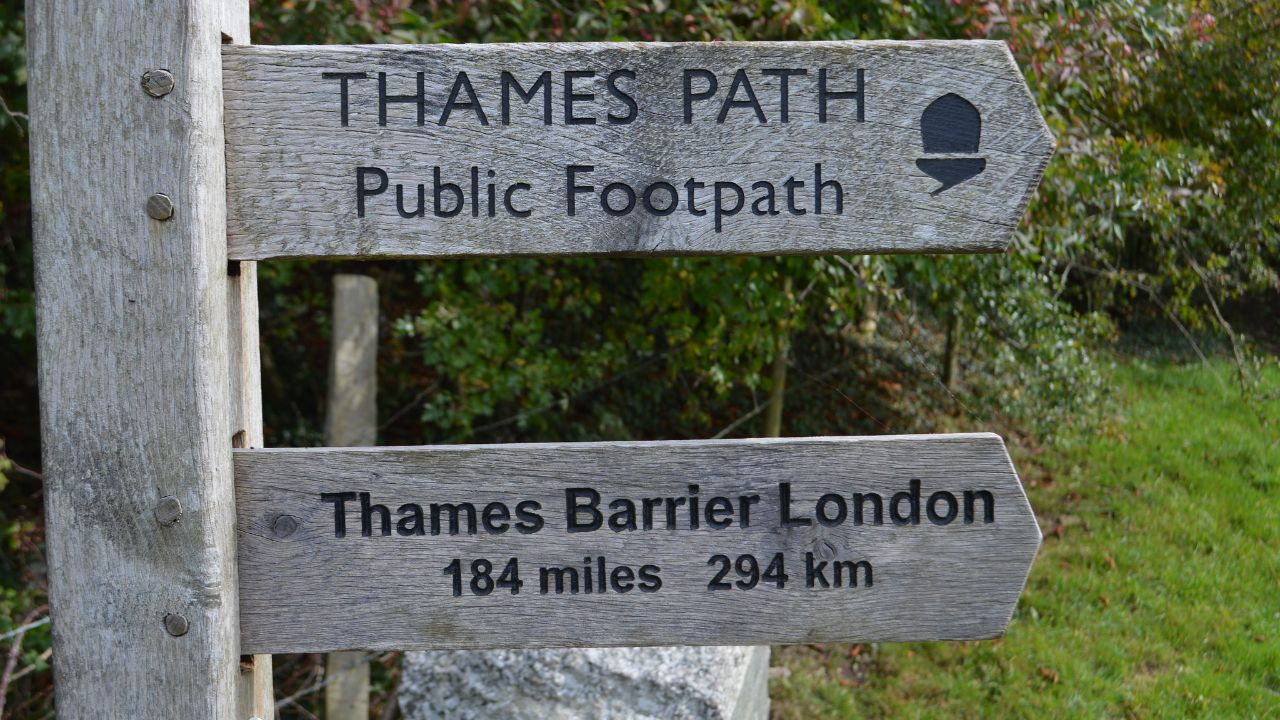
column 694, row 683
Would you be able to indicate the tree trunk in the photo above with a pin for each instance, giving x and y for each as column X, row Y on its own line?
column 773, row 416
column 951, row 359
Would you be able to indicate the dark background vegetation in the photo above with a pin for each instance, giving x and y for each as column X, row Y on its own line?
column 1159, row 211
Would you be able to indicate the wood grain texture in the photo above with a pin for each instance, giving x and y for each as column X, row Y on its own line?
column 309, row 591
column 292, row 164
column 136, row 396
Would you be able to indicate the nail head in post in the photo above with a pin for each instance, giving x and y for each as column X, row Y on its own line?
column 157, row 83
column 168, row 510
column 160, row 207
column 284, row 526
column 176, row 624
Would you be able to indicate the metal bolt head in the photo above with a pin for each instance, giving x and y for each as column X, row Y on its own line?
column 176, row 624
column 168, row 510
column 160, row 207
column 157, row 83
column 284, row 526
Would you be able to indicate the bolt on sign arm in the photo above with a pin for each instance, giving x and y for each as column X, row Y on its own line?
column 144, row 383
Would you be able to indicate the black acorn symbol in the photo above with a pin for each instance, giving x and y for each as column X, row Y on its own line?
column 951, row 125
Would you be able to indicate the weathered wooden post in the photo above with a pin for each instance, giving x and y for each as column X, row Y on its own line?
column 351, row 420
column 148, row 350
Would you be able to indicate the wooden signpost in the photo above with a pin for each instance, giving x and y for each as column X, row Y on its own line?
column 148, row 347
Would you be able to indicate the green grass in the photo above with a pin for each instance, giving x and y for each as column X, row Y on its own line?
column 1156, row 592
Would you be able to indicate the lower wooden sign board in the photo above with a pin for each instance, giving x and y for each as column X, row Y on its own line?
column 839, row 539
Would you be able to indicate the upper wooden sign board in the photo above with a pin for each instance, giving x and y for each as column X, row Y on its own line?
column 627, row 148
column 630, row 543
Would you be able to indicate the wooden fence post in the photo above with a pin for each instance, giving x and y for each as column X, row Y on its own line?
column 351, row 419
column 144, row 382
